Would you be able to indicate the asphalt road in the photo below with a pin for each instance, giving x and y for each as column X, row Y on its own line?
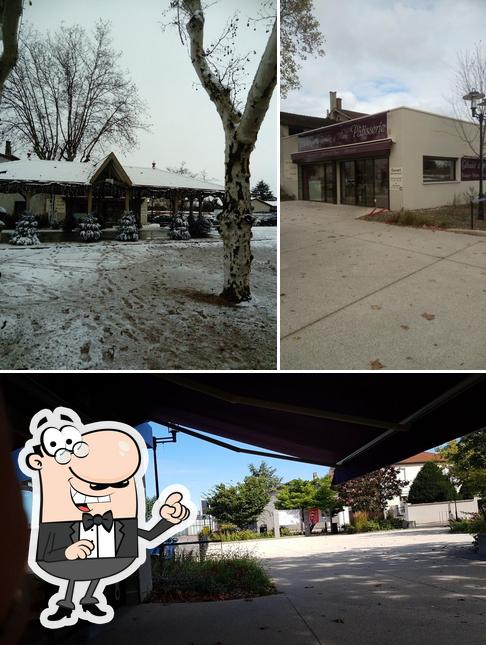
column 408, row 587
column 366, row 295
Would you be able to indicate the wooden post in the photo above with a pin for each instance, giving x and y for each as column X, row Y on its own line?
column 28, row 196
column 90, row 200
column 127, row 200
column 191, row 205
column 200, row 202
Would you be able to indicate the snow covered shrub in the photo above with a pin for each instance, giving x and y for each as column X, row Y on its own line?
column 128, row 229
column 25, row 233
column 89, row 229
column 178, row 228
column 199, row 226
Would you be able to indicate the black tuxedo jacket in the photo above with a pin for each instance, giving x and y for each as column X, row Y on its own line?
column 55, row 537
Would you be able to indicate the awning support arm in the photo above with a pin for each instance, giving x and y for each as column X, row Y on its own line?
column 223, row 444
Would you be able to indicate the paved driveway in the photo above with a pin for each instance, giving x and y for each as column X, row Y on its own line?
column 420, row 586
column 358, row 294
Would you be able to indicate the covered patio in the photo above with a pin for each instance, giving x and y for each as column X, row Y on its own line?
column 65, row 191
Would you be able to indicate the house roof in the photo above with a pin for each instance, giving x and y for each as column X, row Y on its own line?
column 422, row 458
column 352, row 114
column 303, row 121
column 74, row 172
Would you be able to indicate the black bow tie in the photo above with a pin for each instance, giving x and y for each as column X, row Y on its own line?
column 106, row 520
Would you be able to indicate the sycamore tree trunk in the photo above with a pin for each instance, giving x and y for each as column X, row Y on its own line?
column 10, row 13
column 235, row 223
column 241, row 132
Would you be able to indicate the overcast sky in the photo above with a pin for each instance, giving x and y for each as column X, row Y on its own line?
column 383, row 54
column 186, row 126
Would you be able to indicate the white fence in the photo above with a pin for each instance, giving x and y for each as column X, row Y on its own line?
column 439, row 513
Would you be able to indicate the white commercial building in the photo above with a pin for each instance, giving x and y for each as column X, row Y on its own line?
column 399, row 159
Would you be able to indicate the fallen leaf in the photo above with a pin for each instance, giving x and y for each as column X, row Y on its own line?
column 338, row 620
column 428, row 316
column 405, row 327
column 376, row 364
column 376, row 307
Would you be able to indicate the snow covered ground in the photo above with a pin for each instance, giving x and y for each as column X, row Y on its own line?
column 140, row 305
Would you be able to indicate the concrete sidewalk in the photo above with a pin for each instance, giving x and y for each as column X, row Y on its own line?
column 421, row 586
column 358, row 294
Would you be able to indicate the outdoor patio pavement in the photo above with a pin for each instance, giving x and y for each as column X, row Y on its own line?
column 354, row 293
column 422, row 586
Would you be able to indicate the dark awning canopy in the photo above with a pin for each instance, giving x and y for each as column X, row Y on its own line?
column 353, row 422
column 355, row 151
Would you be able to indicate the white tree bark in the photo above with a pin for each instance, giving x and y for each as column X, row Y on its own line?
column 10, row 12
column 241, row 132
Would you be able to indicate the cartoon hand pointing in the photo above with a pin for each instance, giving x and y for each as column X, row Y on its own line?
column 173, row 511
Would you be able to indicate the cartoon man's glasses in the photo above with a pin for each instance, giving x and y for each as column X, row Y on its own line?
column 63, row 443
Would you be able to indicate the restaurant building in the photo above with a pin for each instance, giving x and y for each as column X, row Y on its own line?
column 65, row 191
column 401, row 158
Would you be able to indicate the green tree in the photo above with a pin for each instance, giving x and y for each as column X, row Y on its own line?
column 243, row 502
column 431, row 485
column 149, row 504
column 304, row 494
column 300, row 36
column 267, row 474
column 263, row 191
column 371, row 492
column 466, row 458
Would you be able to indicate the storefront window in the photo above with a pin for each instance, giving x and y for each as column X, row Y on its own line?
column 318, row 182
column 439, row 169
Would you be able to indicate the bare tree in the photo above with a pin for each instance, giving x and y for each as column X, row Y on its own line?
column 10, row 13
column 470, row 74
column 300, row 36
column 181, row 169
column 220, row 71
column 67, row 97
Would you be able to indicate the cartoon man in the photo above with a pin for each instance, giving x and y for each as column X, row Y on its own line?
column 88, row 513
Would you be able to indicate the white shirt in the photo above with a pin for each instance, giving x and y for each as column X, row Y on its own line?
column 103, row 540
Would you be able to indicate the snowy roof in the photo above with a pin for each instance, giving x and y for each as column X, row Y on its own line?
column 66, row 172
column 270, row 202
column 74, row 172
column 155, row 177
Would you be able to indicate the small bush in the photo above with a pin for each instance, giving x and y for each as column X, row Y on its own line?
column 285, row 532
column 25, row 233
column 236, row 536
column 178, row 228
column 128, row 229
column 199, row 226
column 89, row 229
column 475, row 524
column 227, row 576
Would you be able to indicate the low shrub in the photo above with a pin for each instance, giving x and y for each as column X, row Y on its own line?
column 236, row 536
column 474, row 524
column 218, row 577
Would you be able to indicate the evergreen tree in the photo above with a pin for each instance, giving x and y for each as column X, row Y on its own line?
column 178, row 228
column 89, row 229
column 263, row 191
column 199, row 226
column 431, row 485
column 25, row 233
column 128, row 230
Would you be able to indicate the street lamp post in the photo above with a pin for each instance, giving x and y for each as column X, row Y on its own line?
column 474, row 96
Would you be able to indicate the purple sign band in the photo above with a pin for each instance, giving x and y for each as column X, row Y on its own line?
column 369, row 128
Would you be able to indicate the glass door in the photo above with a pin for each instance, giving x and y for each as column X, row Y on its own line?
column 348, row 182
